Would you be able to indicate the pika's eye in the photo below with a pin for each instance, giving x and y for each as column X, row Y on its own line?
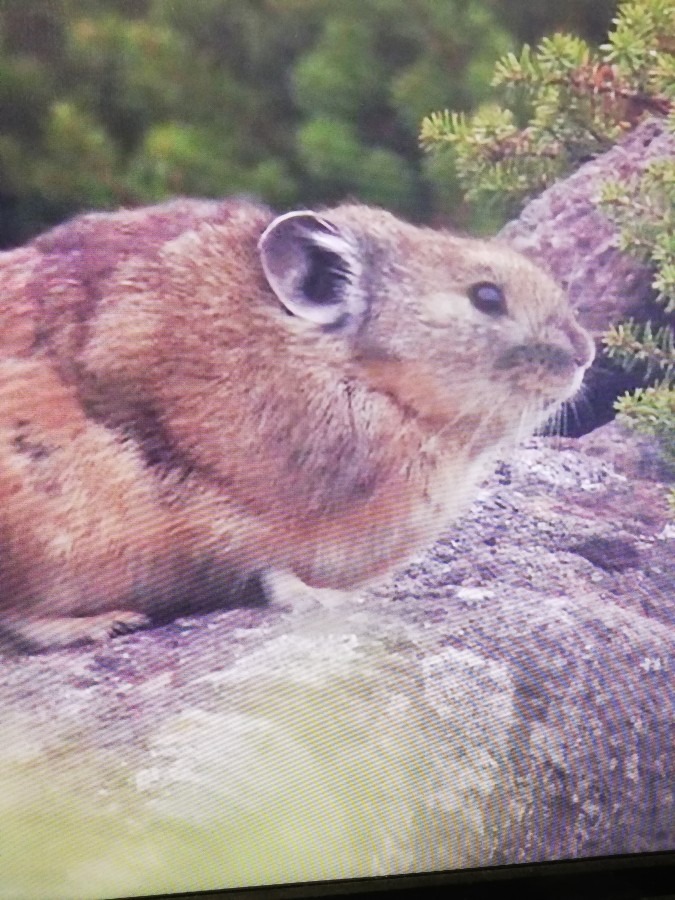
column 488, row 298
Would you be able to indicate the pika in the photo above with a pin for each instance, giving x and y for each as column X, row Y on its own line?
column 196, row 393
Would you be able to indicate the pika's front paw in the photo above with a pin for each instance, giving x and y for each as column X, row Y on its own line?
column 109, row 625
column 35, row 635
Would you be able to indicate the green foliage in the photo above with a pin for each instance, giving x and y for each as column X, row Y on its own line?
column 642, row 45
column 651, row 410
column 374, row 69
column 644, row 210
column 568, row 102
column 334, row 156
column 109, row 102
column 498, row 164
column 642, row 346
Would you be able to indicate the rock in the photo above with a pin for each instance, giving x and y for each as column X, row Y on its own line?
column 564, row 230
column 509, row 697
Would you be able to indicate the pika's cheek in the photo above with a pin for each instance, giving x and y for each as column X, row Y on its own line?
column 442, row 309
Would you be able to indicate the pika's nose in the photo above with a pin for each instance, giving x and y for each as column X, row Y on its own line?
column 582, row 344
column 567, row 333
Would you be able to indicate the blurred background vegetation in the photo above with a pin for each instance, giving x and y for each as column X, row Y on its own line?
column 124, row 102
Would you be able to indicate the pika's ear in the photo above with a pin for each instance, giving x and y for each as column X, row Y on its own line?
column 313, row 268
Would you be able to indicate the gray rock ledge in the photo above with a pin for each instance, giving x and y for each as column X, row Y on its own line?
column 509, row 697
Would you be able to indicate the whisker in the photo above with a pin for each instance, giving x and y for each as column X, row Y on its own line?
column 582, row 401
column 561, row 423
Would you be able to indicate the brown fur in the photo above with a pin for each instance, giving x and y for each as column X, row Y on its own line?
column 168, row 429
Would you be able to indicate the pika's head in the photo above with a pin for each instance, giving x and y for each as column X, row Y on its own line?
column 447, row 325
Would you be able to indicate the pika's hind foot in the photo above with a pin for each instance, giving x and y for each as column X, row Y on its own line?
column 35, row 635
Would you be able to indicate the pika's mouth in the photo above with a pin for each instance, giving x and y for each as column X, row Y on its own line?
column 545, row 370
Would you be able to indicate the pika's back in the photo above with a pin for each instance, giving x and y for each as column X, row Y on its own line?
column 51, row 288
